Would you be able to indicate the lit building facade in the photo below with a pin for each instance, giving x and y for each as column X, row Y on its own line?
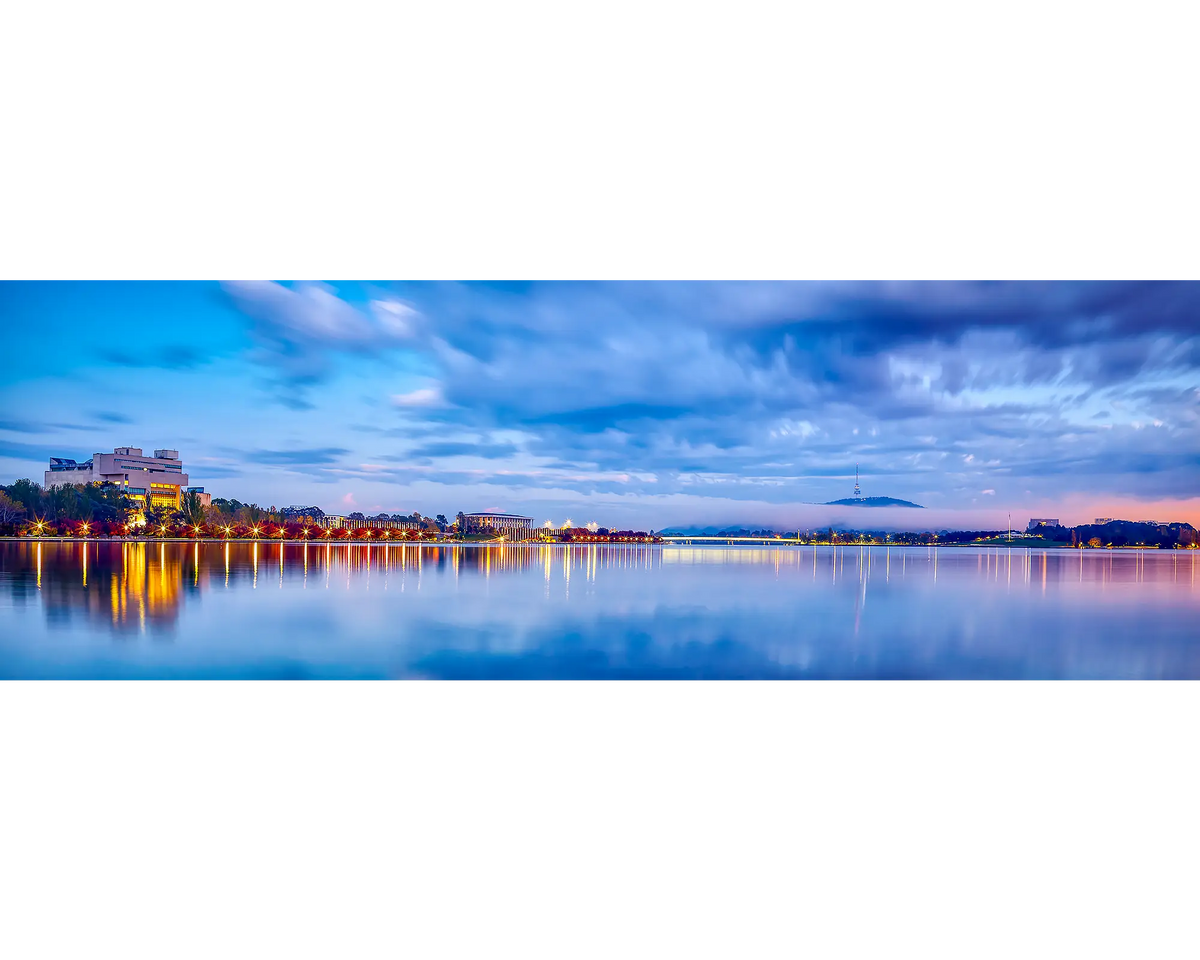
column 506, row 524
column 156, row 480
column 333, row 522
column 1036, row 522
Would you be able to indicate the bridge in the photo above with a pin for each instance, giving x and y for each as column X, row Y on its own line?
column 729, row 540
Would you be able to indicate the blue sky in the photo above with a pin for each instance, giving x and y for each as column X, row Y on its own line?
column 628, row 403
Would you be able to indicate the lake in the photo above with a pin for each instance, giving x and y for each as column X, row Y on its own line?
column 295, row 610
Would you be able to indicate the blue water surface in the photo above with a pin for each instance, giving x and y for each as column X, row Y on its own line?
column 274, row 610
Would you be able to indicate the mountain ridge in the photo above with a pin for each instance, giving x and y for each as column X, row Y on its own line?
column 873, row 502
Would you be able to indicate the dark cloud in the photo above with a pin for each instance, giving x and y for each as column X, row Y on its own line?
column 108, row 417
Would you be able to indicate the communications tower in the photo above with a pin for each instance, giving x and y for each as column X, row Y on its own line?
column 857, row 490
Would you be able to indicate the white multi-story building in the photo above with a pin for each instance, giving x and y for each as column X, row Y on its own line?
column 156, row 480
column 333, row 522
column 508, row 524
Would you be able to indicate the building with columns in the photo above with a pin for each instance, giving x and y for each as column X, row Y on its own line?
column 506, row 524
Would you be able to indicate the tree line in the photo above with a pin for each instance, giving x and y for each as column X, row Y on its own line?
column 103, row 508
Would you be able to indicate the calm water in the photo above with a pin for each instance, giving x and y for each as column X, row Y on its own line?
column 296, row 610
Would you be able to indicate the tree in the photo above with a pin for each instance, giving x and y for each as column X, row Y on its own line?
column 10, row 510
column 191, row 510
column 1094, row 542
column 250, row 513
column 28, row 494
column 155, row 515
column 442, row 522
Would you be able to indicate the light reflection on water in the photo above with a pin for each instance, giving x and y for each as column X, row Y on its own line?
column 592, row 611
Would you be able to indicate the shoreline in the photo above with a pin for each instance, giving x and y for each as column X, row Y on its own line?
column 583, row 543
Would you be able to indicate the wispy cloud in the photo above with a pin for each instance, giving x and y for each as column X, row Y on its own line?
column 422, row 397
column 310, row 457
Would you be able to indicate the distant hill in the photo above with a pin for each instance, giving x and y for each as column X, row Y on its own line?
column 873, row 502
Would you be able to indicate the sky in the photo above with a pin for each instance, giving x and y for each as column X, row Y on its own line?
column 649, row 405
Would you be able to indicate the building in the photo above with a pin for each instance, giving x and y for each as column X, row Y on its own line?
column 333, row 522
column 158, row 480
column 506, row 524
column 205, row 498
column 1036, row 522
column 1103, row 520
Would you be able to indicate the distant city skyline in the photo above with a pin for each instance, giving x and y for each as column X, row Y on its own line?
column 633, row 404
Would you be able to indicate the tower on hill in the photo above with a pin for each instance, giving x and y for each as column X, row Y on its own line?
column 857, row 490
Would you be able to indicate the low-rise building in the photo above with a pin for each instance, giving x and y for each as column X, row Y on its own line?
column 333, row 522
column 506, row 524
column 205, row 498
column 156, row 480
column 1036, row 522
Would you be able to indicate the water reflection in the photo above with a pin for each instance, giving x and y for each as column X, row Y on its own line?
column 509, row 610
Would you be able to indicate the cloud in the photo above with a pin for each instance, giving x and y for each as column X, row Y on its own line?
column 492, row 451
column 37, row 426
column 212, row 472
column 33, row 451
column 776, row 389
column 423, row 397
column 169, row 357
column 109, row 417
column 310, row 457
column 300, row 328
